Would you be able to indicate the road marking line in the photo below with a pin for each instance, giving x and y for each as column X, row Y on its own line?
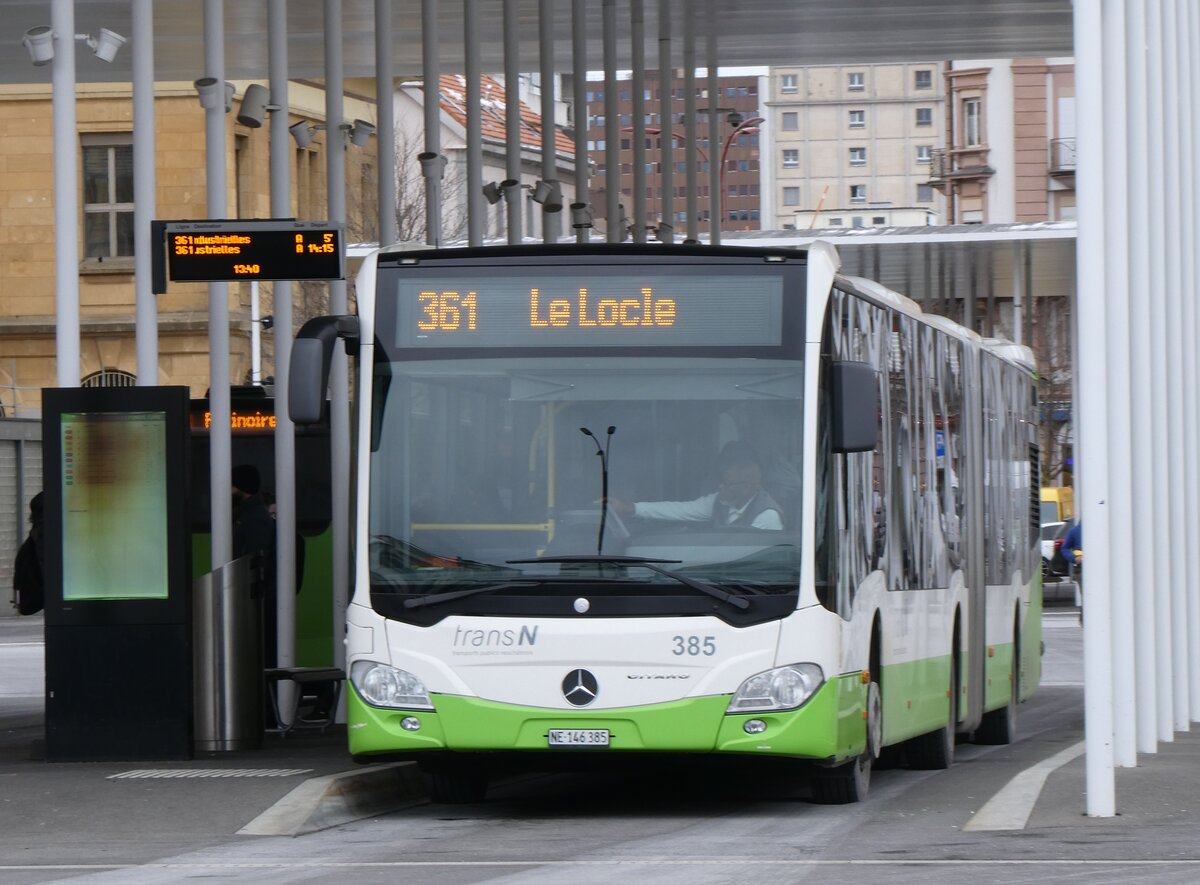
column 1010, row 808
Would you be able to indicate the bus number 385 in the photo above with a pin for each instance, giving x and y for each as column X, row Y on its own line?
column 693, row 646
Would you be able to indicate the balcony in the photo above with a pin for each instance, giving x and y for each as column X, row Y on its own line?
column 1062, row 156
column 960, row 163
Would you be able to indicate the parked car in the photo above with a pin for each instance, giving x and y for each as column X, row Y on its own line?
column 1053, row 564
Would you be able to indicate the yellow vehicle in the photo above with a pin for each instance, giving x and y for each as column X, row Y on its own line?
column 1058, row 504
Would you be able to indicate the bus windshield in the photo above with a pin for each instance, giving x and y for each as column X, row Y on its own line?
column 645, row 482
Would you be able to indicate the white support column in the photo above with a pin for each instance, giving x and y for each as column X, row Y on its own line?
column 1176, row 530
column 66, row 197
column 1116, row 274
column 144, row 198
column 689, row 124
column 219, row 440
column 1092, row 423
column 1144, row 530
column 612, row 126
column 1188, row 290
column 339, row 383
column 1158, row 437
column 666, row 125
column 637, row 38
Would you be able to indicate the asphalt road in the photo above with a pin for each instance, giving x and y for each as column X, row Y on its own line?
column 702, row 824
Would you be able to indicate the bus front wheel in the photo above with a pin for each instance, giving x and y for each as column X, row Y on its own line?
column 850, row 781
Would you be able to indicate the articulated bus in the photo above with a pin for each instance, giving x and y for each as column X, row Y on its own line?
column 541, row 570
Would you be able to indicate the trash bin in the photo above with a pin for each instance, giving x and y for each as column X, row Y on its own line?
column 228, row 657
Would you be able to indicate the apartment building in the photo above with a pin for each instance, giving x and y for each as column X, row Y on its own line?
column 736, row 145
column 853, row 145
column 1007, row 152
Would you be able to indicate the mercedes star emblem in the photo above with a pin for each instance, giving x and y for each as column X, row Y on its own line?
column 580, row 688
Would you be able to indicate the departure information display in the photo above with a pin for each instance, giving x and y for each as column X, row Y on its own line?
column 611, row 307
column 226, row 251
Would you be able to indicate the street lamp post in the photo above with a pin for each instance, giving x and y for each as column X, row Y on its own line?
column 750, row 125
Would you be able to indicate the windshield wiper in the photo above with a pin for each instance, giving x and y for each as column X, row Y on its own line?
column 652, row 565
column 450, row 595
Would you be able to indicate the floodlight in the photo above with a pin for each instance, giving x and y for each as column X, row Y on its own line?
column 581, row 215
column 512, row 190
column 302, row 133
column 39, row 42
column 491, row 191
column 106, row 45
column 229, row 90
column 254, row 106
column 361, row 132
column 432, row 165
column 209, row 90
column 549, row 194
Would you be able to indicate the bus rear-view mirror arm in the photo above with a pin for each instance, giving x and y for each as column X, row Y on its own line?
column 854, row 406
column 308, row 374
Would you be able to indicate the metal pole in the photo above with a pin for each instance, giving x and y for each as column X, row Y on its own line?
column 512, row 118
column 1191, row 245
column 689, row 125
column 476, row 206
column 666, row 125
column 715, row 197
column 550, row 215
column 612, row 129
column 1092, row 436
column 281, row 294
column 1165, row 574
column 66, row 195
column 386, row 116
column 579, row 64
column 335, row 157
column 255, row 335
column 431, row 167
column 1117, row 363
column 220, row 450
column 1141, row 412
column 144, row 199
column 637, row 50
column 1017, row 302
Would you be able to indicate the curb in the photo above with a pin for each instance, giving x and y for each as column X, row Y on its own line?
column 335, row 799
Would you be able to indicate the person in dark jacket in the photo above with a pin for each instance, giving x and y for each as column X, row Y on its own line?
column 254, row 535
column 29, row 567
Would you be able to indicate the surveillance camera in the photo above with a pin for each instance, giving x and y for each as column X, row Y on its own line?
column 254, row 106
column 40, row 43
column 107, row 44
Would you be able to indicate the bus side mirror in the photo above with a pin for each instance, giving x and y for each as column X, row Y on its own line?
column 854, row 406
column 308, row 374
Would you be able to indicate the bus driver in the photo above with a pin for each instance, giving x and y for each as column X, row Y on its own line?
column 740, row 499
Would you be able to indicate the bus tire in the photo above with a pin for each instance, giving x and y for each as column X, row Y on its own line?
column 935, row 750
column 850, row 781
column 456, row 786
column 1000, row 726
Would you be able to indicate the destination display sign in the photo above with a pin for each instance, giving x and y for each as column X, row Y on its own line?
column 545, row 308
column 227, row 251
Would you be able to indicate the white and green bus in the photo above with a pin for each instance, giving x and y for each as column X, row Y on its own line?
column 544, row 562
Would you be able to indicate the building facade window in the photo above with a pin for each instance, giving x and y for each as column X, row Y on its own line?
column 858, row 193
column 924, row 153
column 972, row 118
column 791, row 121
column 856, row 81
column 858, row 119
column 924, row 193
column 791, row 158
column 924, row 116
column 108, row 195
column 789, row 83
column 923, row 79
column 858, row 156
column 109, row 378
column 791, row 196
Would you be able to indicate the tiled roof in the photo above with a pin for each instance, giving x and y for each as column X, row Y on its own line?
column 454, row 102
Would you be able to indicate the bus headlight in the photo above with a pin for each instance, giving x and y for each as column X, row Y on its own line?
column 383, row 686
column 783, row 688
